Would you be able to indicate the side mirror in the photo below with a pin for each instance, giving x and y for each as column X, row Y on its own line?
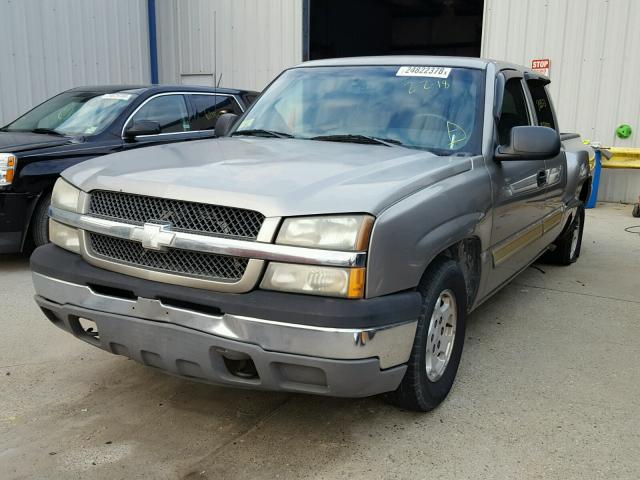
column 530, row 143
column 141, row 127
column 225, row 123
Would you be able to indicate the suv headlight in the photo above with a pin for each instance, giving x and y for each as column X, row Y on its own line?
column 337, row 232
column 65, row 197
column 8, row 164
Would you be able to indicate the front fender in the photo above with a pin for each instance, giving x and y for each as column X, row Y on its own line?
column 410, row 234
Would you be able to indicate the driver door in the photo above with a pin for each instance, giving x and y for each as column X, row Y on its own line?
column 518, row 191
column 171, row 112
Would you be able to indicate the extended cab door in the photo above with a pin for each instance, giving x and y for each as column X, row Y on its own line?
column 556, row 167
column 518, row 189
column 171, row 112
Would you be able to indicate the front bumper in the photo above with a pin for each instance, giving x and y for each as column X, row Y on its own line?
column 15, row 209
column 194, row 333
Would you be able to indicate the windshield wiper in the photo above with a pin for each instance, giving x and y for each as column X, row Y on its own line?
column 258, row 132
column 351, row 138
column 49, row 131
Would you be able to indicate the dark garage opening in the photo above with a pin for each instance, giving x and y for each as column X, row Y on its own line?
column 339, row 28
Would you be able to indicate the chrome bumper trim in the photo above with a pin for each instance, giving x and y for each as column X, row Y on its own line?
column 390, row 344
column 217, row 245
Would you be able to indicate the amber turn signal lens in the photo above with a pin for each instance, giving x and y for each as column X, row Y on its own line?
column 356, row 282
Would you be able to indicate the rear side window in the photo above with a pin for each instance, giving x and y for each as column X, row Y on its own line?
column 542, row 104
column 210, row 107
column 514, row 111
column 170, row 111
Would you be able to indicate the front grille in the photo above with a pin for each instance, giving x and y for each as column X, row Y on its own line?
column 180, row 262
column 190, row 217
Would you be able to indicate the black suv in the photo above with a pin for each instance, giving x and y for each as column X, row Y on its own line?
column 87, row 122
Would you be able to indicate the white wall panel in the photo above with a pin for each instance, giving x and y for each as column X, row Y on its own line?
column 619, row 185
column 52, row 45
column 593, row 46
column 246, row 43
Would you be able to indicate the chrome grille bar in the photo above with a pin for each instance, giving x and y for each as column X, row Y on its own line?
column 217, row 245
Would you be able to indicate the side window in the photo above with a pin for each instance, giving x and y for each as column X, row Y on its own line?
column 514, row 110
column 541, row 104
column 170, row 111
column 210, row 107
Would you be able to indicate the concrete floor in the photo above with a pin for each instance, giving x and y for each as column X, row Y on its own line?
column 549, row 386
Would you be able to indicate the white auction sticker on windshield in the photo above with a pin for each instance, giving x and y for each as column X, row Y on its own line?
column 423, row 71
column 116, row 96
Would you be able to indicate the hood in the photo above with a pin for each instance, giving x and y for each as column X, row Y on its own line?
column 278, row 177
column 14, row 142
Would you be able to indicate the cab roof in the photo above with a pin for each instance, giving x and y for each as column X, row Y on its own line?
column 139, row 89
column 426, row 60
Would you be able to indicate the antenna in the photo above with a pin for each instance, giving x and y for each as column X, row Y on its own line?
column 215, row 54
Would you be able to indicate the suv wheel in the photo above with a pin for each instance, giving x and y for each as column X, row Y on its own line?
column 40, row 221
column 439, row 339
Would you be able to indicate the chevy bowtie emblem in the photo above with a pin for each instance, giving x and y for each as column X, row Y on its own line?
column 154, row 236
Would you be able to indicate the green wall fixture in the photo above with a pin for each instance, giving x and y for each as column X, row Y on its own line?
column 624, row 131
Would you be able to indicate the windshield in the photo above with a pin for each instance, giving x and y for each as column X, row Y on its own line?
column 74, row 113
column 433, row 108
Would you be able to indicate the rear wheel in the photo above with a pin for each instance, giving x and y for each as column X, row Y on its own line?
column 439, row 339
column 40, row 221
column 569, row 244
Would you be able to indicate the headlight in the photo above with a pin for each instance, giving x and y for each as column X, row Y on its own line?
column 8, row 163
column 65, row 196
column 315, row 280
column 64, row 236
column 339, row 232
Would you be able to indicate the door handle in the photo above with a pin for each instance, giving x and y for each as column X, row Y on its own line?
column 542, row 178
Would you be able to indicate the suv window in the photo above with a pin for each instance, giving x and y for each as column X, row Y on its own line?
column 514, row 110
column 170, row 111
column 210, row 107
column 541, row 104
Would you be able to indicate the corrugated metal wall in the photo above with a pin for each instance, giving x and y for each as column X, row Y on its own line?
column 619, row 185
column 595, row 62
column 51, row 46
column 245, row 42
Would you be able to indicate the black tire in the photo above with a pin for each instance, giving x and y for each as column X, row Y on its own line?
column 565, row 253
column 636, row 211
column 40, row 221
column 417, row 391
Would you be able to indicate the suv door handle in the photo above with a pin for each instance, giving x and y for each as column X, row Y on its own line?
column 542, row 178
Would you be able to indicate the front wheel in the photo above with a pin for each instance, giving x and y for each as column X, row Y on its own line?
column 40, row 221
column 439, row 339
